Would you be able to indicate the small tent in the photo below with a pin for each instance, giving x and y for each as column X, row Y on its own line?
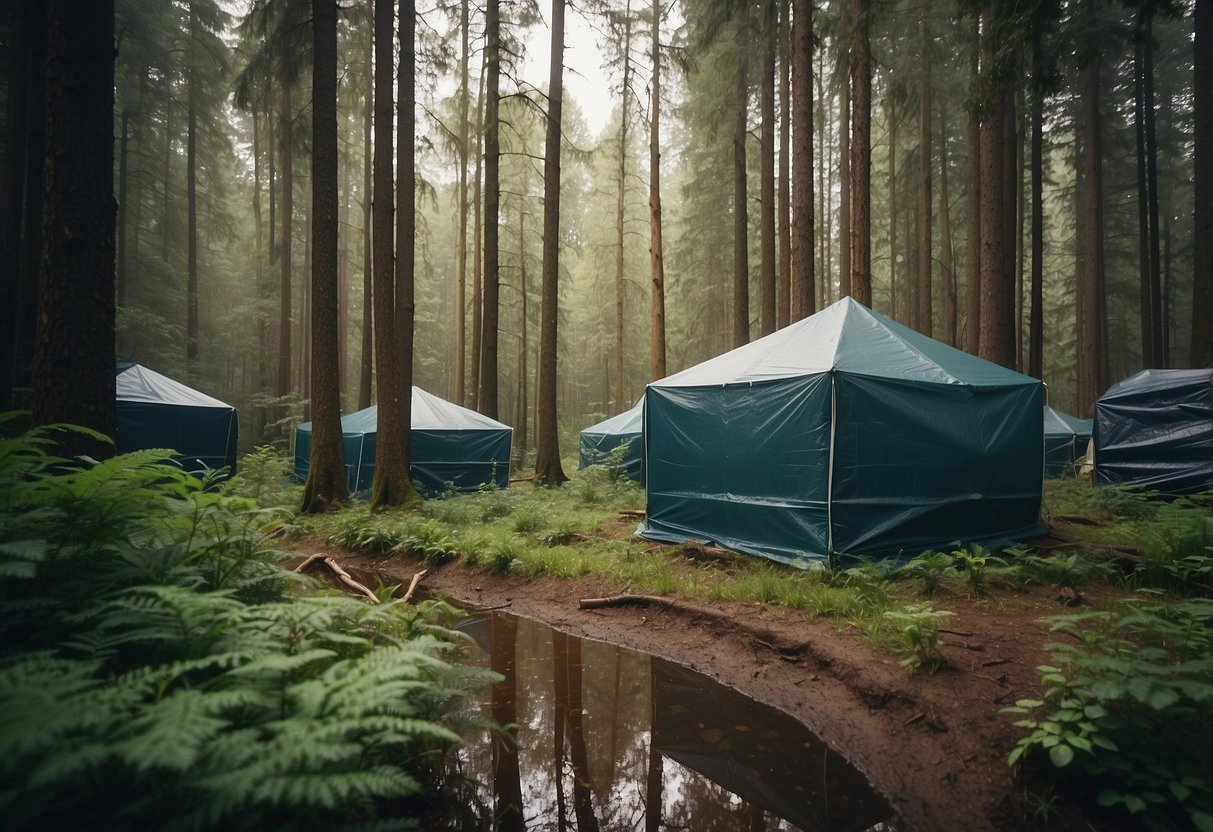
column 154, row 411
column 597, row 441
column 452, row 447
column 845, row 432
column 1066, row 439
column 1155, row 429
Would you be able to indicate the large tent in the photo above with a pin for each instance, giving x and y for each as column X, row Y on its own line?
column 154, row 411
column 452, row 447
column 1066, row 439
column 597, row 441
column 844, row 433
column 1155, row 429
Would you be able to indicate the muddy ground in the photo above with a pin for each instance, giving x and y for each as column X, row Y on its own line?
column 934, row 745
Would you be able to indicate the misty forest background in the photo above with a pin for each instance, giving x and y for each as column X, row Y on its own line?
column 213, row 107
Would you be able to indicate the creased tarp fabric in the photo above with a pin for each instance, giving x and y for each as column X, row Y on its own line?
column 600, row 439
column 1066, row 439
column 452, row 446
column 1155, row 429
column 155, row 411
column 930, row 445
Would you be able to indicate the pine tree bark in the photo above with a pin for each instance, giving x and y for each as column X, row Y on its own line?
column 487, row 397
column 1201, row 350
column 326, row 485
column 287, row 211
column 461, row 242
column 656, row 255
column 784, row 305
column 767, row 166
column 741, row 222
column 621, row 191
column 893, row 211
column 803, row 298
column 947, row 259
column 925, row 299
column 191, row 206
column 1092, row 363
column 548, row 470
column 1036, row 303
column 477, row 248
column 402, row 491
column 123, row 142
column 12, row 195
column 388, row 486
column 27, row 297
column 73, row 368
column 367, row 363
column 844, row 192
column 861, row 155
column 973, row 203
column 997, row 341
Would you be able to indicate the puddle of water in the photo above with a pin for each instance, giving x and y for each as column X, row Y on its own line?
column 611, row 739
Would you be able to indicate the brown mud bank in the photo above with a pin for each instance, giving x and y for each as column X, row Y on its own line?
column 934, row 745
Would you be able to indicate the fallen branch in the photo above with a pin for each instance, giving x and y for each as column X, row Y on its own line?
column 408, row 596
column 956, row 632
column 339, row 573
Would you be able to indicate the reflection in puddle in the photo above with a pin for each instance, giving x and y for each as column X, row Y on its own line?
column 605, row 733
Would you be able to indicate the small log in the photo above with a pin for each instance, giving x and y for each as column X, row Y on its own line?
column 408, row 596
column 345, row 578
column 955, row 632
column 632, row 512
column 310, row 561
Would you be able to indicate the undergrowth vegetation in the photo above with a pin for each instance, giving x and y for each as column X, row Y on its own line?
column 159, row 669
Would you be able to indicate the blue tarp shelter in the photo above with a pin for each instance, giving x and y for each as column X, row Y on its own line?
column 154, row 411
column 599, row 440
column 1066, row 439
column 845, row 432
column 1155, row 429
column 452, row 447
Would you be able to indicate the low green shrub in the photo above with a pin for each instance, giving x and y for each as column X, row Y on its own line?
column 1127, row 718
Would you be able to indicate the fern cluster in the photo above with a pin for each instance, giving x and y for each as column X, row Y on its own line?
column 159, row 668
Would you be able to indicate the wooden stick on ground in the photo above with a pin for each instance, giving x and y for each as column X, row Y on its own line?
column 408, row 596
column 341, row 574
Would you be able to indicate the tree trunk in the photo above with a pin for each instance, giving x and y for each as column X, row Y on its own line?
column 947, row 260
column 30, row 252
column 326, row 483
column 259, row 254
column 461, row 242
column 191, row 207
column 548, row 470
column 487, row 398
column 73, row 369
column 1092, row 373
column 784, row 305
column 122, row 216
column 507, row 783
column 741, row 222
column 367, row 364
column 619, row 204
column 925, row 300
column 12, row 195
column 402, row 491
column 1036, row 316
column 1151, row 149
column 997, row 341
column 861, row 156
column 287, row 210
column 893, row 211
column 1010, row 201
column 973, row 203
column 343, row 273
column 388, row 486
column 1202, row 285
column 656, row 256
column 477, row 258
column 524, row 348
column 767, row 165
column 844, row 192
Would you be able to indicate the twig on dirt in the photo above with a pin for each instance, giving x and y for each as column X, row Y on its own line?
column 992, row 662
column 956, row 632
column 915, row 718
column 408, row 595
column 342, row 576
column 998, row 680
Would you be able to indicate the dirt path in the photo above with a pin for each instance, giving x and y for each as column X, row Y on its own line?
column 934, row 745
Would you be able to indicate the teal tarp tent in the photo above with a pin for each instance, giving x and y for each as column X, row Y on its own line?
column 845, row 432
column 1155, row 429
column 451, row 447
column 1066, row 439
column 599, row 440
column 154, row 411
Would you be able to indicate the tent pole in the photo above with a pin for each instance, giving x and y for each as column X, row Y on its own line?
column 830, row 482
